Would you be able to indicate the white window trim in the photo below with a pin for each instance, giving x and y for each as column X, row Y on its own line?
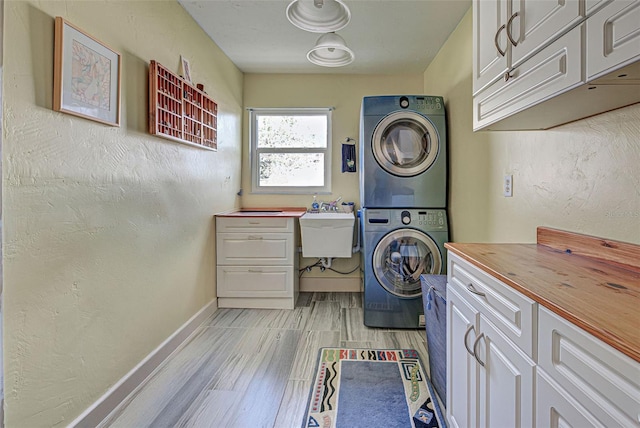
column 253, row 152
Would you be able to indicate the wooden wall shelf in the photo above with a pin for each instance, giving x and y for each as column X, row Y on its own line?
column 179, row 111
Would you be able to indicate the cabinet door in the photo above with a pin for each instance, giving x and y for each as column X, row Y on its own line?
column 534, row 24
column 613, row 37
column 506, row 381
column 555, row 408
column 489, row 35
column 462, row 373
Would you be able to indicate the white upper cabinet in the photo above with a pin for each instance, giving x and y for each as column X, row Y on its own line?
column 517, row 45
column 507, row 32
column 491, row 48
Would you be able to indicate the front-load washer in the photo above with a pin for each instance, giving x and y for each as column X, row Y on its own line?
column 403, row 154
column 398, row 246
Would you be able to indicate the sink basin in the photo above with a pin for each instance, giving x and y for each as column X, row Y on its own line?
column 327, row 234
column 328, row 215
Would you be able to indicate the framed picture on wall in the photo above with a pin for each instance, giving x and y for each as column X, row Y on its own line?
column 186, row 69
column 86, row 75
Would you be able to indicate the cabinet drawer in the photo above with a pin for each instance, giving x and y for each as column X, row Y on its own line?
column 512, row 312
column 254, row 224
column 552, row 71
column 257, row 281
column 255, row 249
column 599, row 377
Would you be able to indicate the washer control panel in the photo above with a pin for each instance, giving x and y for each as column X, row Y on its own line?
column 421, row 103
column 433, row 219
column 405, row 217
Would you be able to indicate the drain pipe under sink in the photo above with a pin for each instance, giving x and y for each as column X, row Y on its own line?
column 326, row 262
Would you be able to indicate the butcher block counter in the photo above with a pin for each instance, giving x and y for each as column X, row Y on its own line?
column 286, row 212
column 592, row 282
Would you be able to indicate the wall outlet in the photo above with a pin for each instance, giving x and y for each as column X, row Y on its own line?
column 421, row 321
column 507, row 186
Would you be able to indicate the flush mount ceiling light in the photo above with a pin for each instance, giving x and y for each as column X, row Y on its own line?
column 318, row 16
column 330, row 51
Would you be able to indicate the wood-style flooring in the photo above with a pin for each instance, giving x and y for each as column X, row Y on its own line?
column 254, row 367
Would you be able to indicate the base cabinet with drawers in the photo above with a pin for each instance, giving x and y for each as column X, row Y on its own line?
column 257, row 262
column 583, row 382
column 490, row 342
column 513, row 363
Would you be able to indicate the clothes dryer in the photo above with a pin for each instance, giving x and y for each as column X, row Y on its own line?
column 403, row 154
column 397, row 247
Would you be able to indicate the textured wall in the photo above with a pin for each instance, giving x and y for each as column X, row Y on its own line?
column 583, row 176
column 109, row 240
column 344, row 92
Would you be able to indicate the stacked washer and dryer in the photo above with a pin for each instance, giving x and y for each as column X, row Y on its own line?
column 403, row 196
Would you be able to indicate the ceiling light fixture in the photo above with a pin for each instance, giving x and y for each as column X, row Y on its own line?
column 331, row 51
column 318, row 16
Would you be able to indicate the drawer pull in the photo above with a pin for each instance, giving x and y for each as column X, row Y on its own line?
column 254, row 222
column 495, row 40
column 471, row 288
column 509, row 23
column 255, row 271
column 466, row 335
column 255, row 238
column 475, row 349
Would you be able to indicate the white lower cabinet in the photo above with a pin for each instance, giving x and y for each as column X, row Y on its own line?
column 462, row 368
column 257, row 262
column 490, row 380
column 506, row 380
column 514, row 363
column 596, row 384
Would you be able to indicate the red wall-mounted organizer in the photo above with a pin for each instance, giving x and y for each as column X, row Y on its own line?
column 179, row 111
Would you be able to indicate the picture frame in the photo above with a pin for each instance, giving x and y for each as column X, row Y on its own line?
column 86, row 75
column 186, row 69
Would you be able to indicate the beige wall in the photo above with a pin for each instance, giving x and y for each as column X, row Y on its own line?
column 109, row 240
column 582, row 177
column 344, row 93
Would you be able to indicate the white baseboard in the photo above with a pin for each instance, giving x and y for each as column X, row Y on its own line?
column 97, row 412
column 325, row 285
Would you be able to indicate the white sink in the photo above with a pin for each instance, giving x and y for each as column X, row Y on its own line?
column 327, row 234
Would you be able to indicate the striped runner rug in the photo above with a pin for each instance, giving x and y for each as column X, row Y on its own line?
column 371, row 387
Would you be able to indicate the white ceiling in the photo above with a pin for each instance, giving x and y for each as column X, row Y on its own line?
column 387, row 36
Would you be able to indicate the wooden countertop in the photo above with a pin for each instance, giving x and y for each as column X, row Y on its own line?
column 592, row 282
column 265, row 212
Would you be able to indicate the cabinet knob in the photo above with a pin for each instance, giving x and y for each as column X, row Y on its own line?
column 507, row 76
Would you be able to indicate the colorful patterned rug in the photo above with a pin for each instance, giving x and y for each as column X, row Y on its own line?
column 371, row 387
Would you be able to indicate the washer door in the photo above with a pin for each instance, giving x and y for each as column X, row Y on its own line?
column 405, row 143
column 401, row 257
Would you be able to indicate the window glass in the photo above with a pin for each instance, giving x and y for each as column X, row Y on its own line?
column 290, row 150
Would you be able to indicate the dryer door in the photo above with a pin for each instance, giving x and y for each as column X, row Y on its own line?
column 405, row 143
column 401, row 257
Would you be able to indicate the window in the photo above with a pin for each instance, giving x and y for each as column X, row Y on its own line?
column 290, row 150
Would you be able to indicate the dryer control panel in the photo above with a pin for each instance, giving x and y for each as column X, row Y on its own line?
column 427, row 220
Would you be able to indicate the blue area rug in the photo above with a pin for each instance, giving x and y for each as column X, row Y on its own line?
column 371, row 387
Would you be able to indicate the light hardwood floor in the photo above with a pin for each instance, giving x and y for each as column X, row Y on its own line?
column 254, row 367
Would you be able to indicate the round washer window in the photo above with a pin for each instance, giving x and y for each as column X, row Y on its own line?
column 405, row 143
column 401, row 257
